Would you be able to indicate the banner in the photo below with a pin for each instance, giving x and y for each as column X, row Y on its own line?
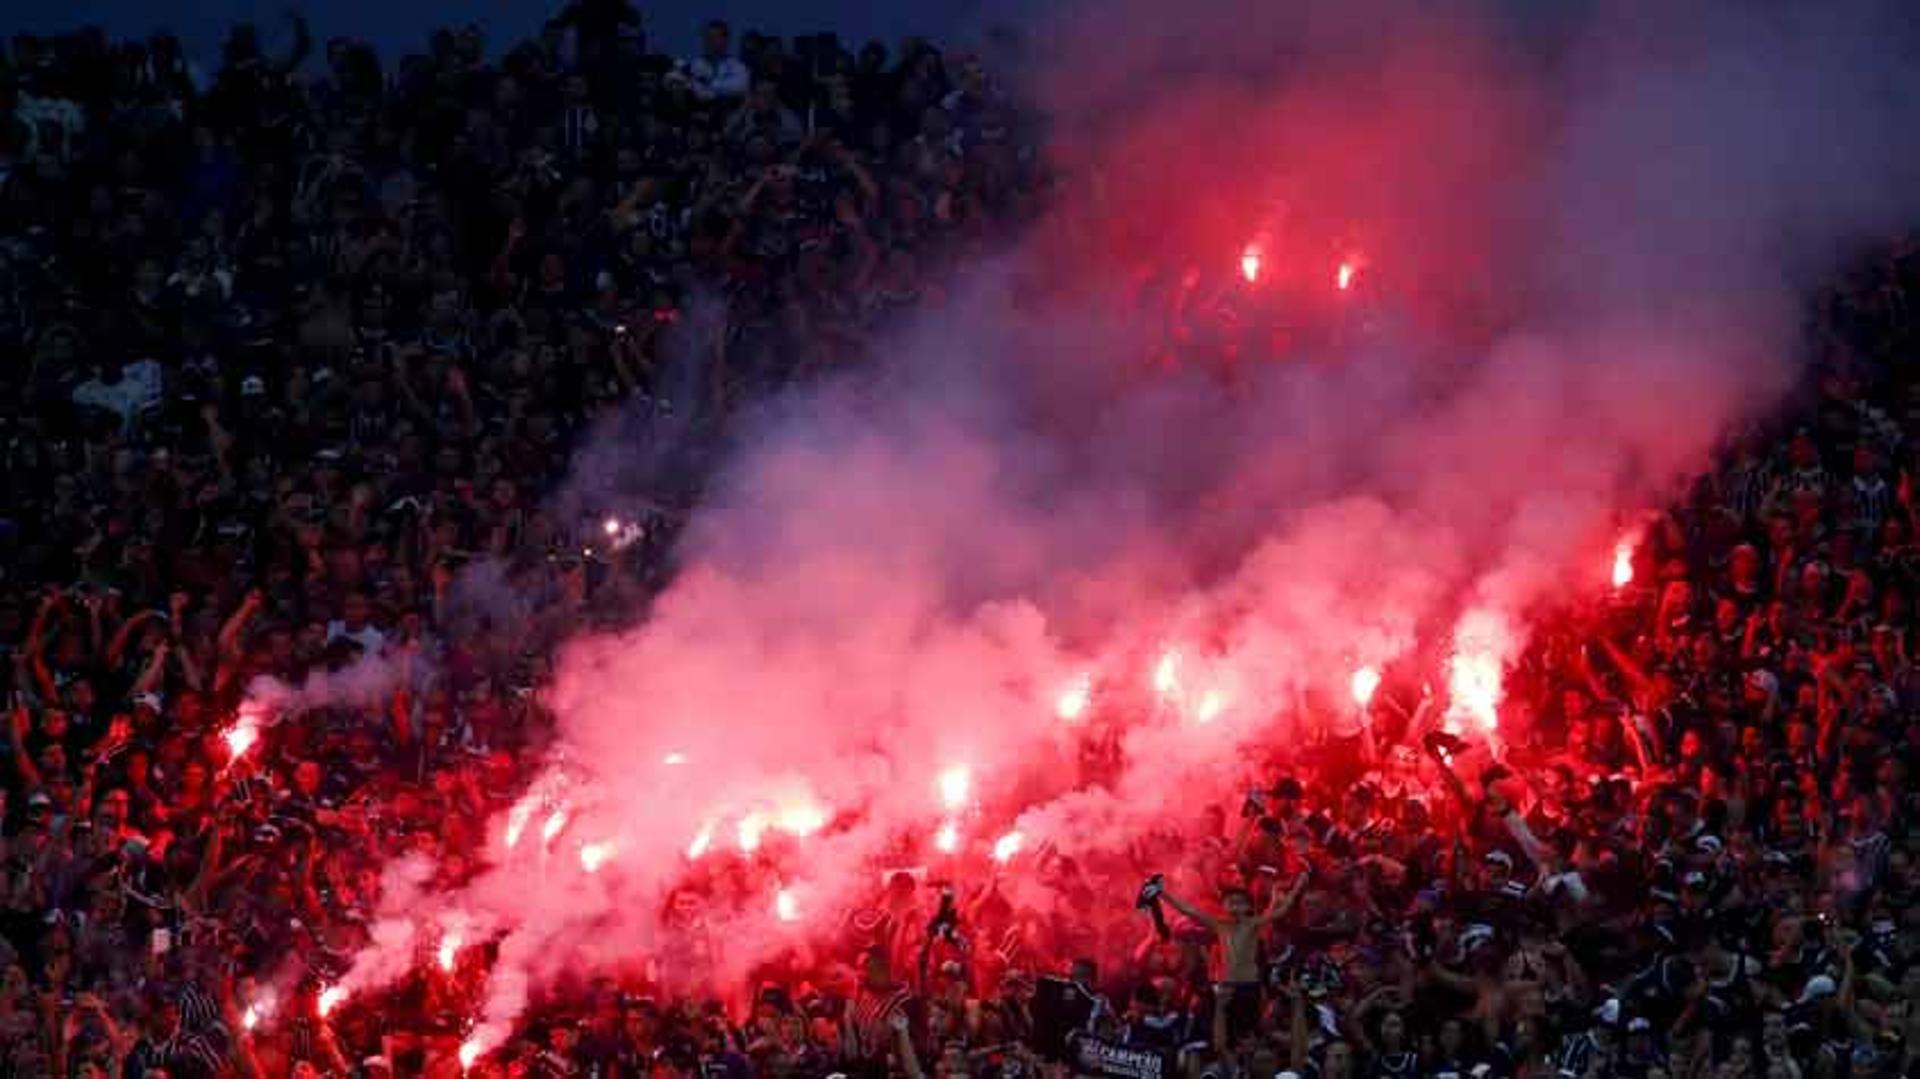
column 1103, row 1059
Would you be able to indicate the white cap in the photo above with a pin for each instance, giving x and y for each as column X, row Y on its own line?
column 1819, row 987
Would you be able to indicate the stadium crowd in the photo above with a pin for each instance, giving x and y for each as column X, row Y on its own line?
column 293, row 343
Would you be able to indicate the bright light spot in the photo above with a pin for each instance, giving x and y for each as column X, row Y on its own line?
column 801, row 819
column 748, row 832
column 1623, row 564
column 448, row 951
column 556, row 822
column 241, row 737
column 1250, row 264
column 956, row 783
column 1073, row 700
column 947, row 839
column 469, row 1052
column 330, row 998
column 1343, row 277
column 259, row 1010
column 1007, row 846
column 1365, row 681
column 702, row 840
column 517, row 818
column 611, row 526
column 674, row 759
column 784, row 907
column 1166, row 674
column 1474, row 671
column 1210, row 706
column 595, row 855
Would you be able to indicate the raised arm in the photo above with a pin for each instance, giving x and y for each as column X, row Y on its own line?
column 1282, row 904
column 1191, row 911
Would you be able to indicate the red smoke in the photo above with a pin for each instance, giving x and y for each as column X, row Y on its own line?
column 1011, row 596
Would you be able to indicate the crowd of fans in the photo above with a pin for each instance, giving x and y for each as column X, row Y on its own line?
column 289, row 350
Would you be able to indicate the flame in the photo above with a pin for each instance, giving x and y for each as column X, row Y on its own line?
column 702, row 840
column 674, row 759
column 1007, row 846
column 1623, row 564
column 330, row 998
column 956, row 784
column 784, row 907
column 801, row 819
column 448, row 951
column 259, row 1010
column 595, row 855
column 1481, row 640
column 1210, row 706
column 1343, row 277
column 1473, row 678
column 241, row 737
column 611, row 526
column 747, row 833
column 517, row 818
column 1166, row 674
column 1073, row 700
column 1250, row 264
column 1365, row 681
column 947, row 839
column 556, row 821
column 469, row 1052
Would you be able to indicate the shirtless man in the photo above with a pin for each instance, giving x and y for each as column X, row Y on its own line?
column 1239, row 933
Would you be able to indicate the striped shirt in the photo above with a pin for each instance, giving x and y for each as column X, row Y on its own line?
column 1872, row 501
column 869, row 1021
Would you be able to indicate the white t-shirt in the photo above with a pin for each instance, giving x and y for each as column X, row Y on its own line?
column 710, row 79
column 137, row 391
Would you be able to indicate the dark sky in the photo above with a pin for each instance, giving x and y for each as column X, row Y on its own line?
column 398, row 25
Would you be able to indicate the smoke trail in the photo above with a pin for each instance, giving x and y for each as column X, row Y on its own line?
column 1600, row 234
column 368, row 680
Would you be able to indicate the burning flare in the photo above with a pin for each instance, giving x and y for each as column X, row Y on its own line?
column 956, row 785
column 448, row 951
column 1210, row 706
column 1007, row 846
column 1166, row 674
column 257, row 1011
column 470, row 1051
column 1623, row 564
column 556, row 822
column 517, row 819
column 801, row 819
column 1343, row 277
column 1073, row 700
column 748, row 832
column 1365, row 681
column 1250, row 264
column 241, row 737
column 330, row 998
column 947, row 839
column 702, row 840
column 595, row 855
column 784, row 907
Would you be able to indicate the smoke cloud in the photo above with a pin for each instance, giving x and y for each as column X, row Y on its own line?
column 1592, row 241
